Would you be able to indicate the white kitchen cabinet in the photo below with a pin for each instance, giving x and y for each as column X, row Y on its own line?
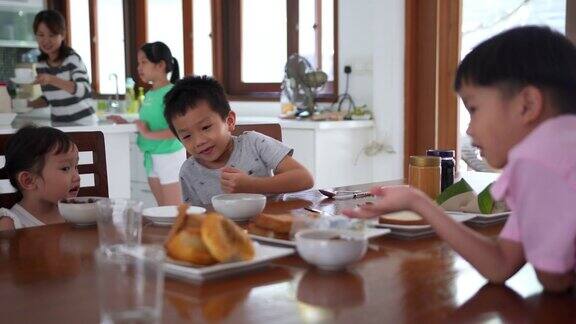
column 332, row 154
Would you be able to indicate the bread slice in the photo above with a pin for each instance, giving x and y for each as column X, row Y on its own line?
column 279, row 223
column 260, row 231
column 402, row 218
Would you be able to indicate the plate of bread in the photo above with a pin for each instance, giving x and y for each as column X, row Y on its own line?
column 407, row 224
column 280, row 229
column 201, row 247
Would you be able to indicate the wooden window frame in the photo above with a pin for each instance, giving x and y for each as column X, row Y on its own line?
column 231, row 43
column 432, row 48
column 226, row 42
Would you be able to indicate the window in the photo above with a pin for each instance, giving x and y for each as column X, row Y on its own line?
column 262, row 34
column 110, row 26
column 168, row 31
column 263, row 40
column 80, row 32
column 243, row 43
column 482, row 20
column 202, row 37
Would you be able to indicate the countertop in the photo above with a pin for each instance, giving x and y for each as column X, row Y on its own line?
column 100, row 125
column 106, row 126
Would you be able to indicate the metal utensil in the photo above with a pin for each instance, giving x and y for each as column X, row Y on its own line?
column 341, row 195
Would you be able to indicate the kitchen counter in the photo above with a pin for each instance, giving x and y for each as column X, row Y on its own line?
column 307, row 124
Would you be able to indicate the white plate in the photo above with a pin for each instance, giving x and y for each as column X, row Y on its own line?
column 369, row 232
column 459, row 217
column 484, row 219
column 166, row 215
column 22, row 81
column 264, row 254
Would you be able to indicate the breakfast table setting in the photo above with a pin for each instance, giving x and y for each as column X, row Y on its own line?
column 62, row 274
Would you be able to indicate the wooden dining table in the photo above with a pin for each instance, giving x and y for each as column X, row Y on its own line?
column 48, row 275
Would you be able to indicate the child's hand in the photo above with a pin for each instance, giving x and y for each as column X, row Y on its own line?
column 233, row 180
column 142, row 127
column 117, row 119
column 391, row 199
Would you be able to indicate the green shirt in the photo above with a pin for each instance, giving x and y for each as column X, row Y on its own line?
column 152, row 113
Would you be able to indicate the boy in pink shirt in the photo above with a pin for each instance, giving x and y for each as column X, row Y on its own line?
column 520, row 90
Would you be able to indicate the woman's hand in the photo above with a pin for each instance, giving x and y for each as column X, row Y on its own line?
column 117, row 119
column 45, row 79
column 390, row 199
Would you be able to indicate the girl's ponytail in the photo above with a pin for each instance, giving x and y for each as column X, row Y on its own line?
column 175, row 71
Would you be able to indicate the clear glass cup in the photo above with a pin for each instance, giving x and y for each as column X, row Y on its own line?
column 119, row 221
column 130, row 283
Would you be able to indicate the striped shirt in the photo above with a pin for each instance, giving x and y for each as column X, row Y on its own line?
column 68, row 107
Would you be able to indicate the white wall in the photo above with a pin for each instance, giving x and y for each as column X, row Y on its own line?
column 371, row 41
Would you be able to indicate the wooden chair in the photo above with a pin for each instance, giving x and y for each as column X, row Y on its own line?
column 92, row 142
column 272, row 130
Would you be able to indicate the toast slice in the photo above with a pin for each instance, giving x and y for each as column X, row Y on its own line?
column 402, row 218
column 279, row 223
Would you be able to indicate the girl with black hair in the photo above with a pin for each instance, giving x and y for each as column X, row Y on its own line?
column 163, row 153
column 61, row 73
column 42, row 164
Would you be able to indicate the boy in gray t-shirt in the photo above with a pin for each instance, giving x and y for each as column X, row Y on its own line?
column 199, row 114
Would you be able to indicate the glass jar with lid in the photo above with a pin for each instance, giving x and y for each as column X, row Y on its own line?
column 424, row 173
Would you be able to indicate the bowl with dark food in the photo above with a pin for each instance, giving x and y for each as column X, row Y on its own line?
column 79, row 211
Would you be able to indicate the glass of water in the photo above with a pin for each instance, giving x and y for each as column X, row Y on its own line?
column 130, row 283
column 119, row 221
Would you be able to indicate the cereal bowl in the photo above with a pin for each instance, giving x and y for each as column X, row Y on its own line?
column 240, row 206
column 79, row 211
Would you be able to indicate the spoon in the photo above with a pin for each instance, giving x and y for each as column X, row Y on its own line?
column 340, row 195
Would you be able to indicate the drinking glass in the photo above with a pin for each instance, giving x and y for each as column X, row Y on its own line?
column 130, row 283
column 119, row 221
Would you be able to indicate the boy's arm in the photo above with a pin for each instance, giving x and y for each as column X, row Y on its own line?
column 147, row 133
column 554, row 282
column 496, row 259
column 289, row 176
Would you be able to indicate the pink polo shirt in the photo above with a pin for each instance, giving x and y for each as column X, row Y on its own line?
column 539, row 186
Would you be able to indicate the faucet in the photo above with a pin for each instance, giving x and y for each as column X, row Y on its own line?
column 115, row 104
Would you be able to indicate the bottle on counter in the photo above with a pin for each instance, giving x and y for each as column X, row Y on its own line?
column 424, row 174
column 140, row 96
column 448, row 165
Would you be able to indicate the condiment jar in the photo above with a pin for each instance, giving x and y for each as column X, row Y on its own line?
column 424, row 174
column 448, row 166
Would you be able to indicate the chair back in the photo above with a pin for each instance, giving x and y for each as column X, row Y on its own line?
column 272, row 130
column 92, row 167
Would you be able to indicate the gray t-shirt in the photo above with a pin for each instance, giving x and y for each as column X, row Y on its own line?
column 254, row 153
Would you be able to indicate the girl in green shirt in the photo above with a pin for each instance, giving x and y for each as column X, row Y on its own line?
column 163, row 153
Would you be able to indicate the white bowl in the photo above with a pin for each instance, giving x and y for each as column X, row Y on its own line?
column 331, row 249
column 238, row 207
column 7, row 118
column 79, row 214
column 166, row 215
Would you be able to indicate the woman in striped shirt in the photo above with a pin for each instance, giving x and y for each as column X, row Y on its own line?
column 61, row 73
